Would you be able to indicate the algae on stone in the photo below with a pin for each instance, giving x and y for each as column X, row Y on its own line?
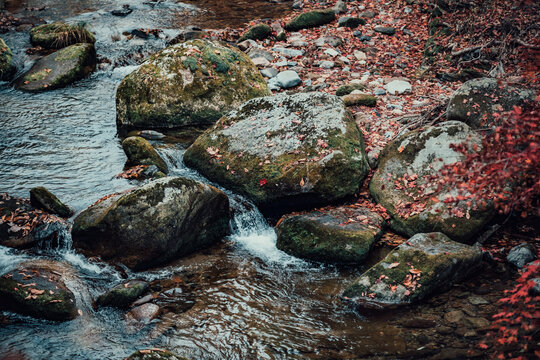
column 140, row 152
column 257, row 32
column 188, row 84
column 42, row 198
column 310, row 19
column 59, row 35
column 6, row 62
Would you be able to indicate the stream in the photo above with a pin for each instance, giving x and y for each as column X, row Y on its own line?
column 250, row 300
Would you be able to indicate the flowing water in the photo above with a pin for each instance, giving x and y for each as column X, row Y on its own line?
column 247, row 299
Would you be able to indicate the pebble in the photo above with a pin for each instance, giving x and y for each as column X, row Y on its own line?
column 260, row 61
column 386, row 30
column 477, row 300
column 326, row 64
column 398, row 87
column 340, row 7
column 144, row 313
column 269, row 72
column 288, row 79
column 477, row 322
column 521, row 254
column 344, row 60
column 288, row 52
column 360, row 55
column 454, row 316
column 379, row 92
column 331, row 52
column 445, row 330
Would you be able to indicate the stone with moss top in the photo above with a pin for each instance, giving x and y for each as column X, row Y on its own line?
column 349, row 88
column 140, row 152
column 311, row 19
column 359, row 100
column 192, row 83
column 257, row 32
column 342, row 235
column 405, row 168
column 42, row 198
column 59, row 69
column 123, row 295
column 7, row 69
column 153, row 224
column 59, row 35
column 284, row 151
column 422, row 266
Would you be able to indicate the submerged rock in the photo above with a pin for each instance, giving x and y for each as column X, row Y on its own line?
column 284, row 151
column 123, row 295
column 339, row 235
column 140, row 152
column 188, row 84
column 154, row 354
column 7, row 69
column 37, row 288
column 310, row 19
column 477, row 100
column 42, row 198
column 144, row 313
column 58, row 35
column 153, row 224
column 23, row 226
column 257, row 32
column 418, row 268
column 59, row 69
column 405, row 168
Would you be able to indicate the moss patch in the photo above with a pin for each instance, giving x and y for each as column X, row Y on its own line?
column 310, row 19
column 59, row 35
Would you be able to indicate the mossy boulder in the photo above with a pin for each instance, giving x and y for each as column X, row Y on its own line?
column 335, row 235
column 284, row 151
column 7, row 69
column 42, row 198
column 350, row 22
column 477, row 100
column 349, row 88
column 23, row 226
column 37, row 288
column 359, row 100
column 420, row 267
column 257, row 32
column 153, row 224
column 59, row 69
column 311, row 19
column 123, row 295
column 59, row 35
column 140, row 152
column 192, row 83
column 406, row 172
column 154, row 354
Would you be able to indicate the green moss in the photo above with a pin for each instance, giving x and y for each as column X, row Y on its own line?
column 6, row 61
column 140, row 152
column 74, row 52
column 44, row 199
column 123, row 295
column 37, row 76
column 257, row 32
column 360, row 100
column 58, row 35
column 349, row 88
column 310, row 19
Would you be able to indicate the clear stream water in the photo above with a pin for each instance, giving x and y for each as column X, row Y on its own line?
column 251, row 301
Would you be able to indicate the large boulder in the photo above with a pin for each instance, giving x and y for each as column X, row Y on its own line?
column 284, row 151
column 153, row 224
column 59, row 69
column 7, row 69
column 405, row 175
column 477, row 100
column 336, row 235
column 420, row 267
column 42, row 198
column 188, row 84
column 140, row 152
column 59, row 35
column 311, row 19
column 38, row 289
column 24, row 226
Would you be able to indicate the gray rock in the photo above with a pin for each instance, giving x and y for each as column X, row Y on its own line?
column 305, row 146
column 153, row 224
column 398, row 87
column 255, row 53
column 535, row 290
column 122, row 295
column 288, row 79
column 143, row 313
column 367, row 14
column 289, row 53
column 340, row 7
column 350, row 22
column 269, row 72
column 386, row 30
column 422, row 266
column 521, row 255
column 331, row 52
column 260, row 62
column 477, row 300
column 379, row 92
column 330, row 40
column 326, row 64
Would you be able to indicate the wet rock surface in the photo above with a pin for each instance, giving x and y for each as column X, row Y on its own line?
column 42, row 198
column 153, row 224
column 154, row 354
column 7, row 69
column 140, row 152
column 123, row 295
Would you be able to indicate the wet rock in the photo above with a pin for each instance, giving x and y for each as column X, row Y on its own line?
column 420, row 267
column 188, row 84
column 288, row 79
column 413, row 158
column 37, row 288
column 43, row 199
column 398, row 87
column 339, row 235
column 477, row 300
column 257, row 32
column 151, row 135
column 140, row 152
column 477, row 100
column 59, row 69
column 521, row 255
column 454, row 316
column 59, row 35
column 284, row 150
column 7, row 69
column 145, row 299
column 386, row 30
column 23, row 226
column 349, row 88
column 360, row 100
column 123, row 12
column 154, row 354
column 535, row 290
column 122, row 295
column 153, row 224
column 310, row 19
column 350, row 22
column 144, row 313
